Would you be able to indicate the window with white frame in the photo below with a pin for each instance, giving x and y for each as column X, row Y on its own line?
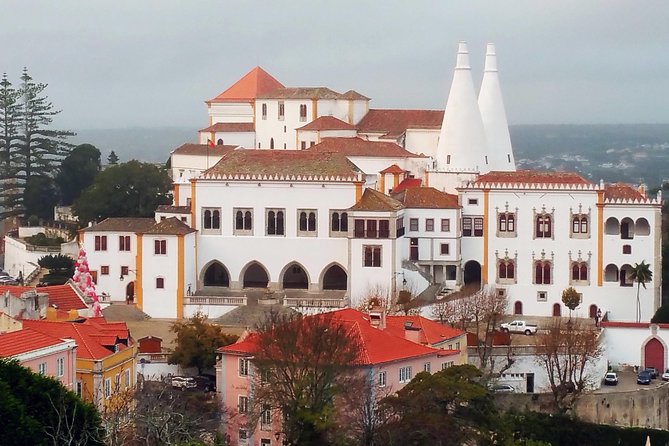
column 265, row 417
column 382, row 379
column 338, row 223
column 372, row 256
column 244, row 365
column 60, row 366
column 543, row 226
column 445, row 225
column 303, row 112
column 243, row 436
column 444, row 249
column 160, row 247
column 276, row 222
column 107, row 387
column 306, row 222
column 117, row 382
column 445, row 365
column 542, row 296
column 265, row 442
column 126, row 375
column 413, row 224
column 429, row 224
column 580, row 226
column 243, row 404
column 211, row 220
column 41, row 368
column 282, row 111
column 427, row 367
column 243, row 221
column 263, row 109
column 506, row 224
column 405, row 374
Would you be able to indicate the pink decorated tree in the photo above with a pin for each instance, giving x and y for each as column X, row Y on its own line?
column 82, row 277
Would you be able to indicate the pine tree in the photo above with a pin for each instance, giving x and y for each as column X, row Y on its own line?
column 9, row 142
column 40, row 149
column 112, row 159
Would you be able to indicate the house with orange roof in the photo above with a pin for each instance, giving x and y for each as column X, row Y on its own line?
column 46, row 354
column 105, row 359
column 392, row 353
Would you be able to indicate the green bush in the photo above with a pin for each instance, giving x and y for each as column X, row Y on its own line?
column 41, row 239
column 661, row 315
column 58, row 261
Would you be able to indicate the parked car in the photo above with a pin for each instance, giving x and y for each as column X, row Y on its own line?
column 519, row 327
column 611, row 379
column 644, row 377
column 665, row 375
column 503, row 388
column 183, row 382
column 206, row 383
column 652, row 371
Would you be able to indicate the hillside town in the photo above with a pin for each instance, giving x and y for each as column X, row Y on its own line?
column 378, row 247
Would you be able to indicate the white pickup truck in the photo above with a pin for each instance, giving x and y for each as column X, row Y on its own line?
column 519, row 327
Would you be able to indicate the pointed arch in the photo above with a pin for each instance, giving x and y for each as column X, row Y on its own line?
column 334, row 277
column 254, row 275
column 294, row 276
column 214, row 273
column 654, row 353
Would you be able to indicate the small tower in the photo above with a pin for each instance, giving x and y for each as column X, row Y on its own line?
column 462, row 142
column 491, row 104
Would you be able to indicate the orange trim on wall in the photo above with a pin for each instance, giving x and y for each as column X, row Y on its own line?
column 350, row 111
column 138, row 280
column 484, row 267
column 180, row 276
column 192, row 203
column 600, row 237
column 314, row 109
column 358, row 190
column 396, row 180
column 382, row 183
column 175, row 194
column 426, row 178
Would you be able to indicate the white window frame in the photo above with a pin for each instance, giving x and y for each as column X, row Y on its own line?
column 244, row 230
column 382, row 379
column 107, row 387
column 380, row 256
column 307, row 233
column 212, row 229
column 339, row 232
column 405, row 374
column 243, row 404
column 427, row 367
column 446, row 222
column 244, row 366
column 60, row 367
column 276, row 219
column 41, row 368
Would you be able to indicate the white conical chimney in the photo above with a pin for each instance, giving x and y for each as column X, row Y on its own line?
column 491, row 104
column 462, row 143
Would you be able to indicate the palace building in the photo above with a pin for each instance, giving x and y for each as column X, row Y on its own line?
column 311, row 197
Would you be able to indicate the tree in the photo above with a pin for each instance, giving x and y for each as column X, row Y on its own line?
column 566, row 350
column 77, row 172
column 39, row 197
column 641, row 274
column 38, row 410
column 449, row 407
column 112, row 159
column 308, row 373
column 197, row 342
column 661, row 316
column 571, row 299
column 9, row 139
column 131, row 189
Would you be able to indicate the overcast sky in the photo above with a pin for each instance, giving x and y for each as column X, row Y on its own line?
column 153, row 63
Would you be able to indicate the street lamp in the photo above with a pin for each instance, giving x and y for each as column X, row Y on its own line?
column 121, row 277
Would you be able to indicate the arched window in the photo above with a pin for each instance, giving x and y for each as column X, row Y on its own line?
column 239, row 220
column 335, row 222
column 275, row 222
column 579, row 271
column 611, row 273
column 207, row 219
column 271, row 143
column 216, row 220
column 219, row 142
column 303, row 221
column 311, row 221
column 343, row 222
column 518, row 307
column 248, row 220
column 506, row 222
column 507, row 269
column 543, row 226
column 579, row 224
column 264, row 111
column 542, row 272
column 243, row 221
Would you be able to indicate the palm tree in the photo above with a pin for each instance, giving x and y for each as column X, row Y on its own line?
column 641, row 274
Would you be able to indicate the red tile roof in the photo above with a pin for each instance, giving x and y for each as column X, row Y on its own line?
column 284, row 164
column 64, row 297
column 408, row 183
column 355, row 146
column 90, row 345
column 395, row 122
column 170, row 209
column 378, row 346
column 121, row 224
column 375, row 201
column 393, row 169
column 202, row 149
column 232, row 127
column 302, row 93
column 622, row 191
column 426, row 198
column 431, row 332
column 327, row 123
column 250, row 86
column 531, row 177
column 170, row 226
column 24, row 341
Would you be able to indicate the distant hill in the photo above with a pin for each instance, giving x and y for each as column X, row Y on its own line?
column 633, row 153
column 144, row 144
